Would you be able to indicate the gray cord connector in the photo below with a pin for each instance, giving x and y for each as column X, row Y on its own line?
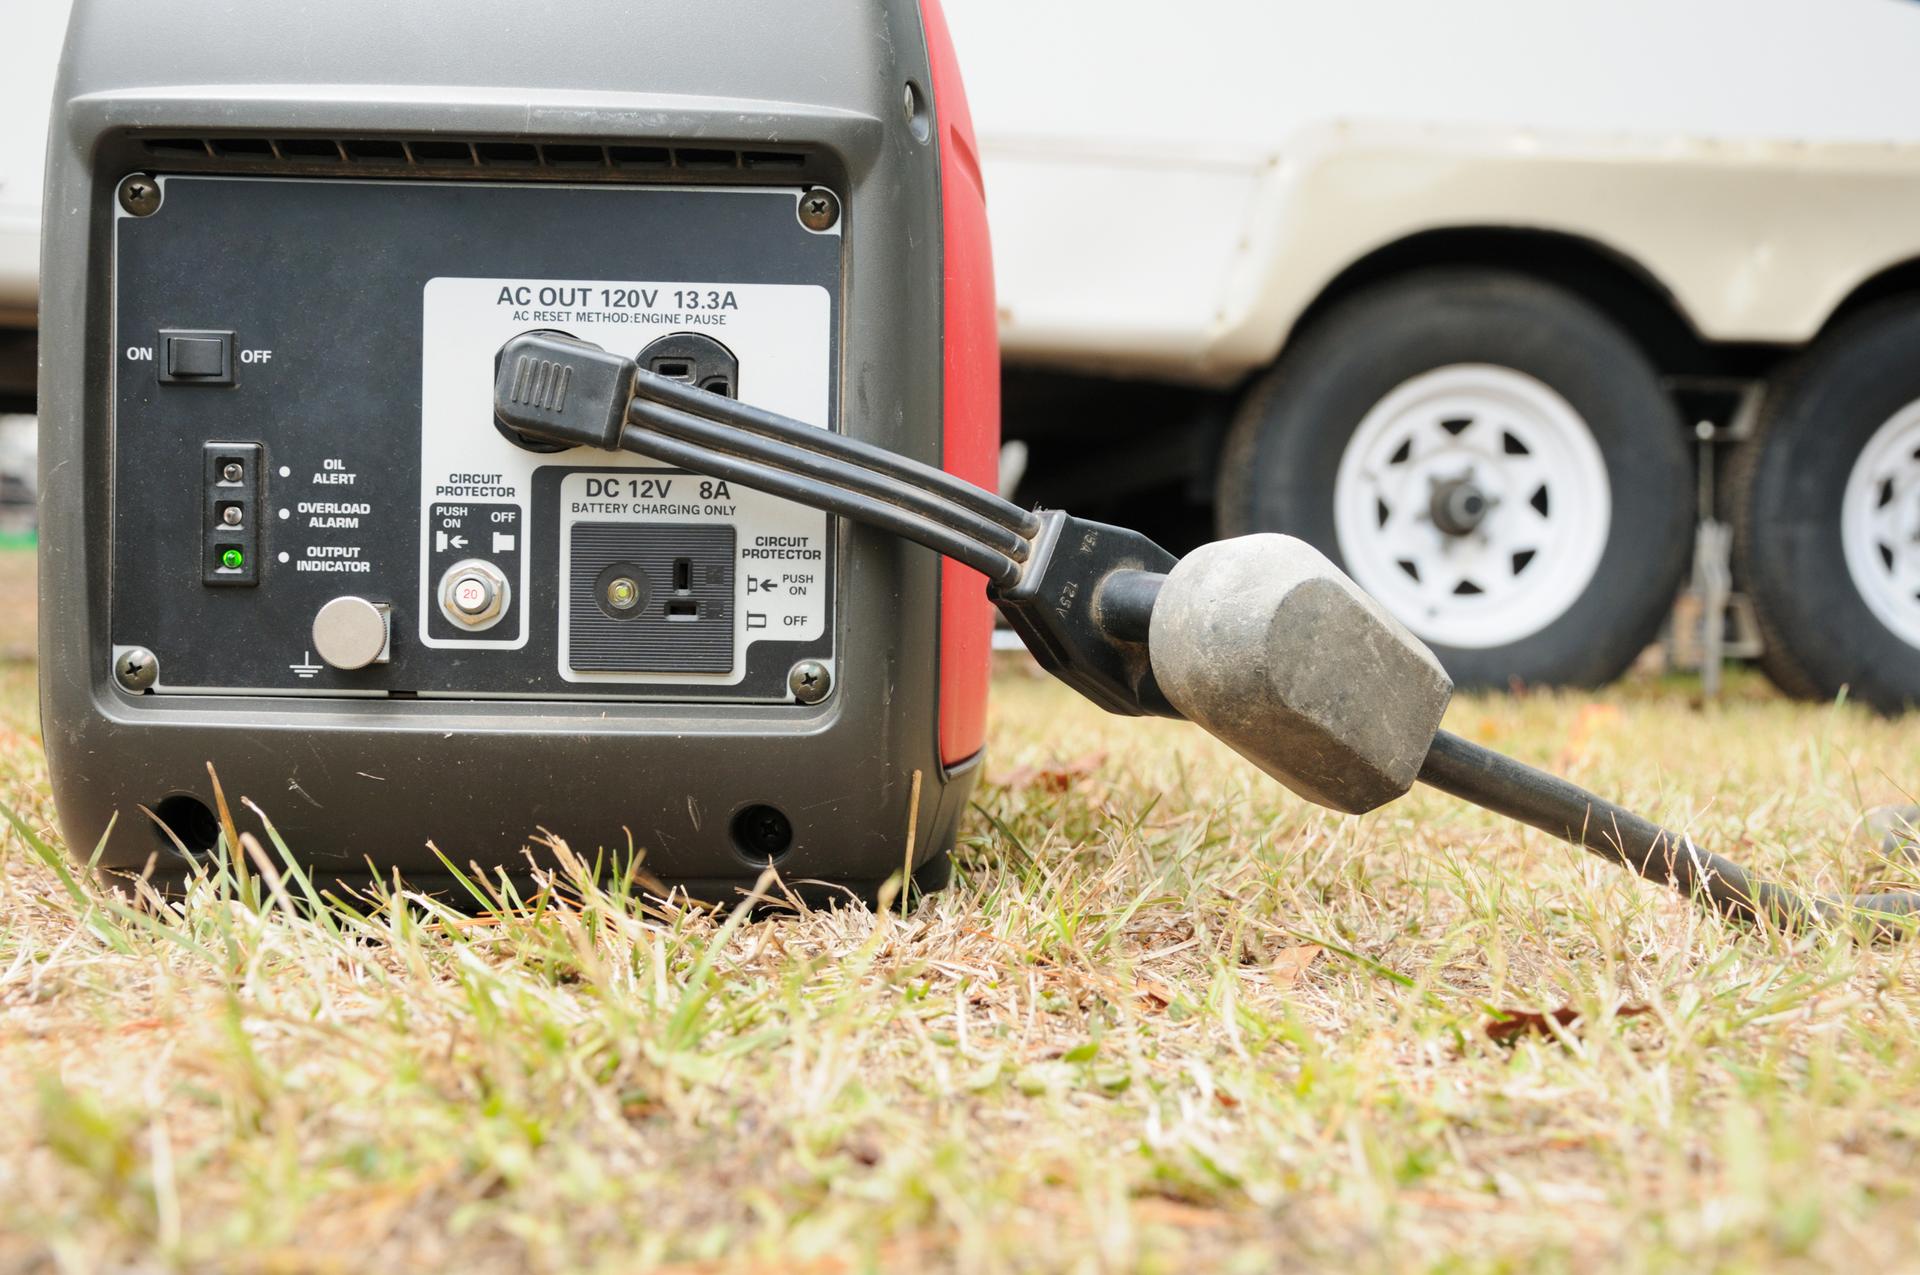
column 1266, row 644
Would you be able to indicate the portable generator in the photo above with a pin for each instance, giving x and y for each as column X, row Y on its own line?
column 286, row 536
column 462, row 423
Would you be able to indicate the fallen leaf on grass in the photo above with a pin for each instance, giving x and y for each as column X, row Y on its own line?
column 1179, row 1213
column 1056, row 778
column 1592, row 719
column 1453, row 1203
column 1155, row 1209
column 1290, row 963
column 1515, row 1023
column 829, row 1265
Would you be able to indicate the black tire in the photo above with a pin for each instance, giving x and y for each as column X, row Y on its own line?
column 1282, row 454
column 1788, row 486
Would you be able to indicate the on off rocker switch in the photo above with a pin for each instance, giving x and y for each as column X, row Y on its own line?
column 196, row 357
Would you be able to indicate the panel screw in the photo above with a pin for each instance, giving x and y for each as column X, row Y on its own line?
column 917, row 122
column 137, row 669
column 809, row 681
column 819, row 209
column 140, row 195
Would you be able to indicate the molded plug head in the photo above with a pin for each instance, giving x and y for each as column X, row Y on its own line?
column 1264, row 643
column 554, row 389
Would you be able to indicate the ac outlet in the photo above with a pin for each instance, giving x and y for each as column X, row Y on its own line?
column 698, row 360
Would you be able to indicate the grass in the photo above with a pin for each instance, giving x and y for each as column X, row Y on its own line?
column 17, row 610
column 1167, row 1019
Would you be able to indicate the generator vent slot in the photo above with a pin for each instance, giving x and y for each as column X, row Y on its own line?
column 458, row 156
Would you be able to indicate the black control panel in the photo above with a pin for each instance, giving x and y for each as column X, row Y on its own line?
column 302, row 418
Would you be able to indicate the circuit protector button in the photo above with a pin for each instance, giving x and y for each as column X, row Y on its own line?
column 474, row 594
column 471, row 596
column 203, row 358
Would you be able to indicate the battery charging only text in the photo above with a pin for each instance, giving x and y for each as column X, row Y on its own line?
column 655, row 496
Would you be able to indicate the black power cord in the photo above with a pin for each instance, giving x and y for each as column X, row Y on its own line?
column 1081, row 595
column 897, row 514
column 1614, row 833
column 556, row 389
column 747, row 419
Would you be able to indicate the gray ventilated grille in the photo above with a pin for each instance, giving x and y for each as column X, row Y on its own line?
column 448, row 156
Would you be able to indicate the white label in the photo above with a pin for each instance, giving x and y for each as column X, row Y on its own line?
column 782, row 336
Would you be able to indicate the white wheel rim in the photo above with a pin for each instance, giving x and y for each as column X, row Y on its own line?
column 1880, row 524
column 1548, row 506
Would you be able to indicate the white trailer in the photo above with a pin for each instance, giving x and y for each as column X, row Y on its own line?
column 30, row 33
column 1467, row 294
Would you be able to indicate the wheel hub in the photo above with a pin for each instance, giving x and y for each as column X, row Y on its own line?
column 1880, row 524
column 1473, row 502
column 1458, row 506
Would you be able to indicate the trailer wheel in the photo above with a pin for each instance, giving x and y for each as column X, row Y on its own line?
column 1491, row 458
column 1827, row 514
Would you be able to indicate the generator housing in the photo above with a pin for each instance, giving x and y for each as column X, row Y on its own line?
column 286, row 542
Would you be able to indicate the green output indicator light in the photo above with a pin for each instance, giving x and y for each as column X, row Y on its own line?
column 233, row 559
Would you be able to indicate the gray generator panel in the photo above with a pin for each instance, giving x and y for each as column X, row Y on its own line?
column 303, row 380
